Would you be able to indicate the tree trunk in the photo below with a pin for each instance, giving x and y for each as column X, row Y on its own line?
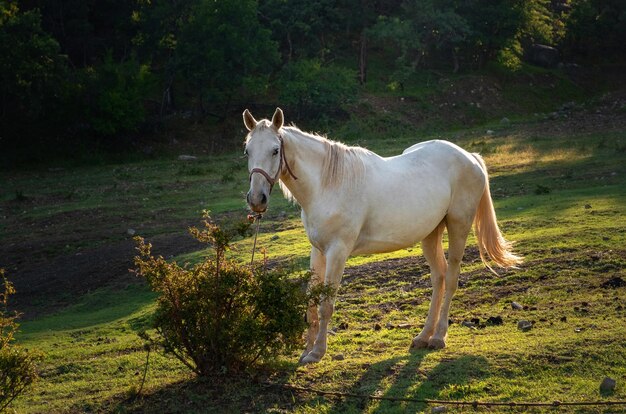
column 455, row 61
column 363, row 58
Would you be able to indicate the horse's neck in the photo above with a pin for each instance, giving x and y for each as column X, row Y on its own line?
column 306, row 154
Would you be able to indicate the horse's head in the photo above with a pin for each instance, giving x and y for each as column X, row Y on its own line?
column 264, row 148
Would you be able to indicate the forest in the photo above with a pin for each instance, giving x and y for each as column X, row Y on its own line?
column 79, row 74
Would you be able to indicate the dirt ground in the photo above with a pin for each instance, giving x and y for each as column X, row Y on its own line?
column 54, row 281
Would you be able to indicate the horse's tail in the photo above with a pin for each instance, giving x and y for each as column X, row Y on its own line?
column 491, row 242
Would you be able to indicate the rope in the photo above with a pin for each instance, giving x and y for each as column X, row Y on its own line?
column 255, row 217
column 474, row 404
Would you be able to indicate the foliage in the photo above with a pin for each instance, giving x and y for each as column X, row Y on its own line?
column 219, row 316
column 113, row 95
column 32, row 76
column 218, row 51
column 304, row 29
column 596, row 29
column 315, row 89
column 17, row 366
column 83, row 71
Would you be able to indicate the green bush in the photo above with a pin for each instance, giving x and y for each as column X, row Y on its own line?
column 17, row 366
column 219, row 316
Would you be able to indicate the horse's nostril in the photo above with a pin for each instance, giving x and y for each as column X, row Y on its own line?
column 263, row 198
column 248, row 197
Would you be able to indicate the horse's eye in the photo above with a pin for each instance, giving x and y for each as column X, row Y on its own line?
column 275, row 151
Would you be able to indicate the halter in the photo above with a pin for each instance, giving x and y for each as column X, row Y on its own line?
column 283, row 160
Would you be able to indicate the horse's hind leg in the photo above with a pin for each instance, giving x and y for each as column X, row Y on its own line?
column 318, row 270
column 433, row 252
column 459, row 226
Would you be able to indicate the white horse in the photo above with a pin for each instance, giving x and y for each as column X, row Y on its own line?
column 356, row 202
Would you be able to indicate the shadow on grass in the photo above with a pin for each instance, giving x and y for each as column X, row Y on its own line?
column 402, row 377
column 99, row 307
column 219, row 394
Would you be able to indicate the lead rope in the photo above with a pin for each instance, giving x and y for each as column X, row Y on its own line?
column 255, row 217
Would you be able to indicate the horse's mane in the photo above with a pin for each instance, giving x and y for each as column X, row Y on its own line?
column 343, row 164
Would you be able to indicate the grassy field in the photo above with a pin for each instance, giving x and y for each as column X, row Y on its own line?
column 560, row 194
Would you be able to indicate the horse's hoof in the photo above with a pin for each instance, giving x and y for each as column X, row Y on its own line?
column 303, row 355
column 310, row 359
column 435, row 343
column 418, row 344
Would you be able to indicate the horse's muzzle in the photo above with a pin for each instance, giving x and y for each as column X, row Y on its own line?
column 257, row 201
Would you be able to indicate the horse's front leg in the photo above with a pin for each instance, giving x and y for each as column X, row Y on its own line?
column 318, row 270
column 335, row 263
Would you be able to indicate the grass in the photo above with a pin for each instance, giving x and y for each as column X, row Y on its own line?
column 572, row 235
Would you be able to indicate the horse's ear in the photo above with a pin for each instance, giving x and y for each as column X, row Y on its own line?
column 278, row 119
column 248, row 120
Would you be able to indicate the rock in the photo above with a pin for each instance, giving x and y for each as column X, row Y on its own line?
column 131, row 232
column 377, row 327
column 439, row 409
column 524, row 325
column 404, row 326
column 614, row 283
column 338, row 357
column 544, row 56
column 389, row 325
column 187, row 158
column 505, row 121
column 475, row 321
column 516, row 306
column 468, row 324
column 274, row 237
column 495, row 320
column 579, row 329
column 607, row 386
column 489, row 132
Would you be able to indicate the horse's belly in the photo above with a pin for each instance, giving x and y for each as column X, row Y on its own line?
column 395, row 232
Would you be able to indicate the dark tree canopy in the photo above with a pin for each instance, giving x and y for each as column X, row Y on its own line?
column 87, row 71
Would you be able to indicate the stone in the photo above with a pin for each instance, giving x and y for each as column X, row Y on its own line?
column 468, row 324
column 338, row 357
column 524, row 325
column 187, row 158
column 516, row 306
column 543, row 55
column 404, row 326
column 495, row 320
column 489, row 132
column 614, row 283
column 607, row 386
column 439, row 409
column 505, row 121
column 131, row 232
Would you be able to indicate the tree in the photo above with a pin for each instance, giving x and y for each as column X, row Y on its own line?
column 215, row 51
column 596, row 29
column 304, row 29
column 425, row 28
column 33, row 74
